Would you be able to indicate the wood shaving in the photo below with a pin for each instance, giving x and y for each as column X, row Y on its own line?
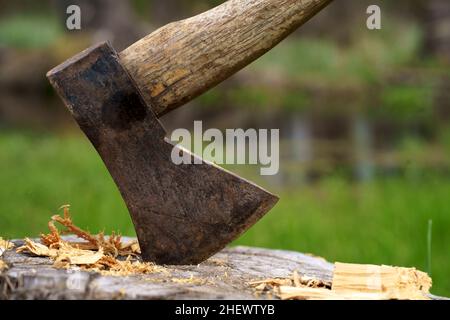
column 37, row 249
column 96, row 253
column 351, row 282
column 113, row 245
column 5, row 245
column 75, row 256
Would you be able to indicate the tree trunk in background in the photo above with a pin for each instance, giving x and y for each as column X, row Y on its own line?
column 362, row 142
column 437, row 28
column 165, row 11
column 110, row 20
column 436, row 21
column 299, row 148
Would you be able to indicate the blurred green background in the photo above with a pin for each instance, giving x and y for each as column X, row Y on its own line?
column 363, row 117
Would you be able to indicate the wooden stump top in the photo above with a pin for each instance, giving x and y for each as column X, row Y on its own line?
column 223, row 276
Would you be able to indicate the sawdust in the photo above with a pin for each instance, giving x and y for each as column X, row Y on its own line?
column 128, row 267
column 350, row 282
column 218, row 262
column 96, row 253
column 190, row 280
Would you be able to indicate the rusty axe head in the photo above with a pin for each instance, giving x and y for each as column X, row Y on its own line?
column 182, row 213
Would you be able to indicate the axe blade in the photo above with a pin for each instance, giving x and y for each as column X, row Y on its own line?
column 182, row 214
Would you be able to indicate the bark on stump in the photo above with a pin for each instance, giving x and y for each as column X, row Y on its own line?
column 224, row 276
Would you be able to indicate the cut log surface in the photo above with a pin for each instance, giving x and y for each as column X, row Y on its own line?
column 223, row 276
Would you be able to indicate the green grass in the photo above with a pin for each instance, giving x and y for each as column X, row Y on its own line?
column 40, row 173
column 382, row 222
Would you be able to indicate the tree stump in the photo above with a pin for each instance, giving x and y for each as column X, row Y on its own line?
column 223, row 276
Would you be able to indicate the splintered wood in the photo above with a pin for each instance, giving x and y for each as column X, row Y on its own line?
column 5, row 245
column 353, row 282
column 112, row 246
column 384, row 281
column 95, row 253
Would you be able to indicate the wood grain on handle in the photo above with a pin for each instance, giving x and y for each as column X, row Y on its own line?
column 183, row 59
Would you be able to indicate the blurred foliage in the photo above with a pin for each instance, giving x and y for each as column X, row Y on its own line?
column 29, row 31
column 142, row 7
column 294, row 74
column 365, row 61
column 256, row 98
column 404, row 102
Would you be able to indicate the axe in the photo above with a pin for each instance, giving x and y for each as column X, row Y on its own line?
column 184, row 213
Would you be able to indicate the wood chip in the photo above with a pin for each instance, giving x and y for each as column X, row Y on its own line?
column 37, row 249
column 394, row 282
column 74, row 256
column 5, row 245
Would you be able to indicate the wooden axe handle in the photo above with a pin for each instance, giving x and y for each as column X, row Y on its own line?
column 183, row 59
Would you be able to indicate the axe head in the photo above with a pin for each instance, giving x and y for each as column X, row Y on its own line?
column 182, row 214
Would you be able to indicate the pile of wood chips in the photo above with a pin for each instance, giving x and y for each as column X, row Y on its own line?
column 108, row 256
column 352, row 282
